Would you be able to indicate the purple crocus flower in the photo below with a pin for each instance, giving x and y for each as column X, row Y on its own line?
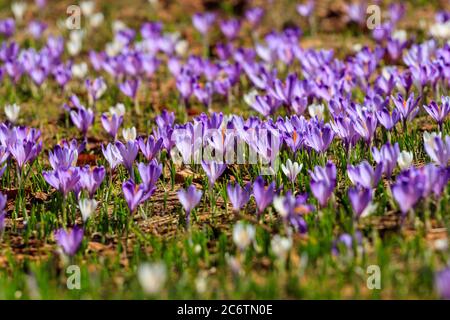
column 388, row 119
column 203, row 21
column 189, row 199
column 36, row 28
column 128, row 152
column 437, row 148
column 346, row 241
column 7, row 27
column 150, row 174
column 263, row 195
column 238, row 196
column 408, row 189
column 213, row 170
column 407, row 108
column 387, row 155
column 95, row 88
column 230, row 28
column 62, row 157
column 112, row 155
column 82, row 118
column 442, row 283
column 323, row 182
column 254, row 15
column 91, row 179
column 151, row 147
column 25, row 152
column 111, row 124
column 133, row 193
column 305, row 10
column 69, row 241
column 319, row 137
column 64, row 181
column 293, row 209
column 360, row 199
column 364, row 174
column 439, row 112
column 130, row 87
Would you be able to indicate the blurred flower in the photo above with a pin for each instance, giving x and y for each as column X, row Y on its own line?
column 361, row 201
column 112, row 155
column 69, row 241
column 442, row 283
column 323, row 182
column 364, row 174
column 87, row 208
column 129, row 134
column 438, row 149
column 87, row 7
column 317, row 110
column 281, row 246
column 213, row 170
column 12, row 112
column 291, row 169
column 263, row 195
column 238, row 196
column 152, row 277
column 80, row 70
column 243, row 235
column 404, row 159
column 189, row 199
column 18, row 9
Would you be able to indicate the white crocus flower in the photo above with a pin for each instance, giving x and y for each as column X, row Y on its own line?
column 181, row 47
column 428, row 139
column 118, row 109
column 74, row 48
column 371, row 207
column 18, row 9
column 400, row 35
column 316, row 110
column 129, row 134
column 404, row 159
column 250, row 97
column 281, row 246
column 291, row 169
column 96, row 20
column 12, row 112
column 152, row 277
column 118, row 25
column 112, row 49
column 80, row 70
column 278, row 204
column 243, row 235
column 441, row 30
column 87, row 7
column 87, row 208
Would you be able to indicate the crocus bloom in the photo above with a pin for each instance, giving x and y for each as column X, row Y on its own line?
column 407, row 108
column 404, row 159
column 150, row 174
column 96, row 88
column 439, row 112
column 323, row 182
column 361, row 201
column 25, row 152
column 111, row 124
column 263, row 195
column 254, row 15
column 305, row 10
column 130, row 88
column 82, row 118
column 238, row 196
column 69, row 241
column 408, row 189
column 12, row 112
column 437, row 148
column 87, row 207
column 152, row 277
column 134, row 194
column 243, row 235
column 189, row 199
column 203, row 21
column 62, row 180
column 442, row 283
column 213, row 170
column 281, row 246
column 151, row 147
column 129, row 134
column 62, row 157
column 128, row 152
column 230, row 28
column 319, row 138
column 112, row 155
column 387, row 155
column 388, row 119
column 291, row 169
column 91, row 179
column 364, row 174
column 292, row 209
